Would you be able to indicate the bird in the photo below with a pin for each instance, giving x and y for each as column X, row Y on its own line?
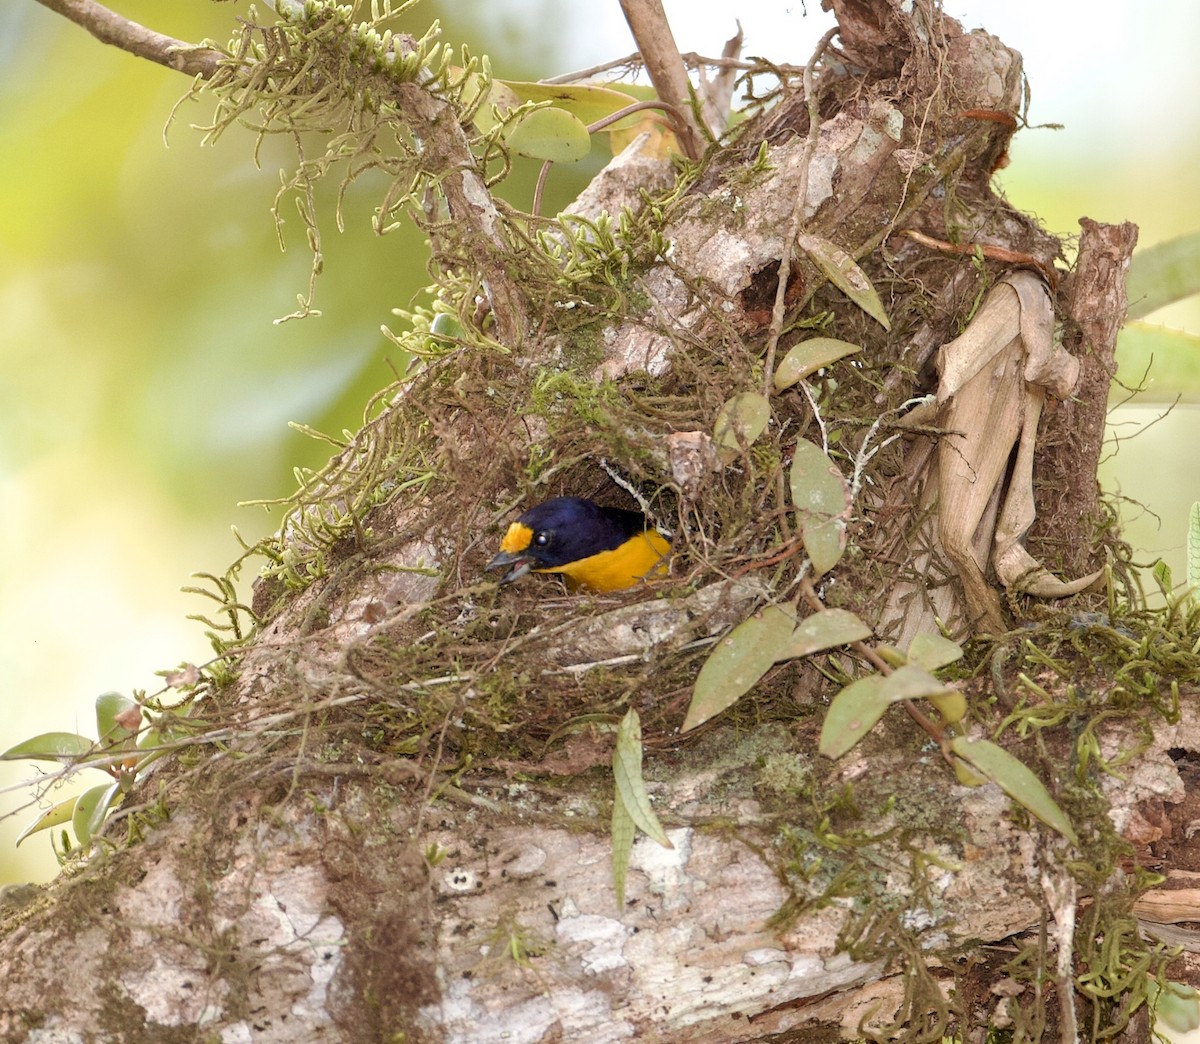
column 597, row 547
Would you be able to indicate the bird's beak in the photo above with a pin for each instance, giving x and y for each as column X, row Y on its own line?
column 521, row 564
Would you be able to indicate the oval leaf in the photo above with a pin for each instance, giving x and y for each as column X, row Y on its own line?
column 739, row 422
column 822, row 499
column 444, row 332
column 51, row 746
column 1176, row 1006
column 743, row 656
column 913, row 683
column 951, row 705
column 550, row 134
column 114, row 712
column 590, row 103
column 90, row 809
column 56, row 815
column 966, row 775
column 623, row 832
column 631, row 787
column 852, row 713
column 841, row 270
column 808, row 357
column 932, row 651
column 824, row 630
column 1016, row 780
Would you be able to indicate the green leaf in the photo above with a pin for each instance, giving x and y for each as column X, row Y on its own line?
column 588, row 103
column 841, row 270
column 631, row 788
column 966, row 775
column 824, row 630
column 1162, row 576
column 1163, row 273
column 56, row 815
column 631, row 803
column 1016, row 780
column 822, row 500
column 890, row 655
column 90, row 809
column 444, row 332
column 932, row 651
column 52, row 746
column 808, row 357
column 623, row 832
column 912, row 683
column 951, row 705
column 739, row 422
column 852, row 713
column 112, row 712
column 1176, row 1005
column 550, row 134
column 740, row 659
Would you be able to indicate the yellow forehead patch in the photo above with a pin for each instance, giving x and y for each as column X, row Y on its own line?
column 517, row 538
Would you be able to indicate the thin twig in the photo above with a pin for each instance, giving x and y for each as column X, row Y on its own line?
column 785, row 262
column 652, row 33
column 630, row 61
column 111, row 28
column 691, row 59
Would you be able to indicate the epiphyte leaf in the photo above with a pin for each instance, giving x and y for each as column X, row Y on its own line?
column 550, row 134
column 932, row 651
column 54, row 816
column 740, row 659
column 115, row 714
column 627, row 774
column 951, row 705
column 824, row 630
column 1016, row 779
column 623, row 832
column 855, row 710
column 808, row 357
column 1163, row 273
column 589, row 103
column 822, row 499
column 842, row 271
column 852, row 714
column 51, row 746
column 740, row 421
column 912, row 683
column 90, row 810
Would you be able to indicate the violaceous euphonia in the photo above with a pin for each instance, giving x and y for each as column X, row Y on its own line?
column 602, row 548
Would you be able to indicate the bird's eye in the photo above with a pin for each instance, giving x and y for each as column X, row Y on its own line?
column 542, row 539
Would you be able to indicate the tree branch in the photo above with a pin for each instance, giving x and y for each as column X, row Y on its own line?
column 111, row 28
column 652, row 32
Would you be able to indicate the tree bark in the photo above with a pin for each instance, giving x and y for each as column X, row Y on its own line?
column 397, row 823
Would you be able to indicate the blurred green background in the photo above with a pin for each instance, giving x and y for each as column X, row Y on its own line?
column 145, row 390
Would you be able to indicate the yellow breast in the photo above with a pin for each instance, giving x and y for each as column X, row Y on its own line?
column 621, row 567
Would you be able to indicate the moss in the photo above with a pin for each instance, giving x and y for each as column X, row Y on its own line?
column 464, row 687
